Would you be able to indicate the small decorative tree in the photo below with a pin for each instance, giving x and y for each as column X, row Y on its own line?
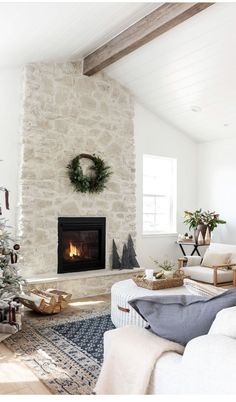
column 116, row 264
column 128, row 259
column 125, row 258
column 131, row 253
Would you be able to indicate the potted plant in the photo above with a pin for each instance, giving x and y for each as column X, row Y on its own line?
column 167, row 267
column 203, row 223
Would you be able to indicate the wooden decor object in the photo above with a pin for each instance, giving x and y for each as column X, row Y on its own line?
column 159, row 21
column 52, row 301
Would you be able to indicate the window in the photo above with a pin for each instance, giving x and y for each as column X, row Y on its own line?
column 159, row 194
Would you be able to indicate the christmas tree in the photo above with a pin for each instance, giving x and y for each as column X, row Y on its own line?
column 10, row 280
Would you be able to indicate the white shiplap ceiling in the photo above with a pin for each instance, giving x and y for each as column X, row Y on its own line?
column 192, row 66
column 34, row 32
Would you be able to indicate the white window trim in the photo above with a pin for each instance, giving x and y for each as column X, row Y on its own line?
column 159, row 234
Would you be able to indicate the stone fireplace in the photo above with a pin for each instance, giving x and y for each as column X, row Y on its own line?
column 65, row 114
column 81, row 244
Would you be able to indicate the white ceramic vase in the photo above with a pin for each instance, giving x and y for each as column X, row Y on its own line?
column 200, row 239
column 207, row 236
column 168, row 274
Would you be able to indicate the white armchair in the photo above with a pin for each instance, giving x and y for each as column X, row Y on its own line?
column 217, row 267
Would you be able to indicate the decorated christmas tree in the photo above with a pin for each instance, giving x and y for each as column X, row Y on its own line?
column 10, row 280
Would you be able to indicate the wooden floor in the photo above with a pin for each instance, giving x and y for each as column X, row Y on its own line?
column 16, row 378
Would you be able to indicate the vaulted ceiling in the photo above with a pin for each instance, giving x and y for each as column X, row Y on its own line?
column 32, row 32
column 186, row 76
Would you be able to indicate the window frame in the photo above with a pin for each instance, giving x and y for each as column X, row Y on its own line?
column 173, row 200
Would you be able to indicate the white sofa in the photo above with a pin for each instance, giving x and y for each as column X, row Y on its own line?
column 207, row 365
column 215, row 276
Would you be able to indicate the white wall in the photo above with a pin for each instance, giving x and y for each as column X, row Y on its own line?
column 10, row 97
column 153, row 136
column 217, row 185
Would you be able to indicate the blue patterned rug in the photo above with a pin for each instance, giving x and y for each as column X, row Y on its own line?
column 65, row 351
column 87, row 334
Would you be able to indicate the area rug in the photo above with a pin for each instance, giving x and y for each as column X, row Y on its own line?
column 65, row 351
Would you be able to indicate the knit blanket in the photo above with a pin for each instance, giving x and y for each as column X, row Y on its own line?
column 130, row 357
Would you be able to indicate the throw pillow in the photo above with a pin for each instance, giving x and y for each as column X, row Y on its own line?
column 233, row 258
column 201, row 289
column 210, row 259
column 193, row 260
column 181, row 318
column 225, row 323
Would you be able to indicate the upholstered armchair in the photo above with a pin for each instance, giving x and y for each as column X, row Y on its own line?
column 218, row 266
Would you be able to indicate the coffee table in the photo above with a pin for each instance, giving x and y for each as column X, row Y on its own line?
column 121, row 292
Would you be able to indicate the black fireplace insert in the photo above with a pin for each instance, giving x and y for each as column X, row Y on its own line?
column 81, row 244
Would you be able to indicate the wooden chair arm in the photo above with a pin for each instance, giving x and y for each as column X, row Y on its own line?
column 216, row 267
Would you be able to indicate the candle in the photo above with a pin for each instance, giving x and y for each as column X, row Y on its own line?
column 7, row 198
column 149, row 273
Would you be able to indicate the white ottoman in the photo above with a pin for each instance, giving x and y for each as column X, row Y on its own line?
column 122, row 313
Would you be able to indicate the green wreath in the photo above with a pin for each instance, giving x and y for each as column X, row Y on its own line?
column 94, row 183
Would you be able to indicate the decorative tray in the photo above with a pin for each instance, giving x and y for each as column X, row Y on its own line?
column 157, row 284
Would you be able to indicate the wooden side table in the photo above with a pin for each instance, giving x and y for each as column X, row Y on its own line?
column 194, row 245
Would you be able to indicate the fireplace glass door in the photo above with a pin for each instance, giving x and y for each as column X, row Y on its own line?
column 81, row 244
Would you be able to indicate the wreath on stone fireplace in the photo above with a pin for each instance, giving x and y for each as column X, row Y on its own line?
column 93, row 183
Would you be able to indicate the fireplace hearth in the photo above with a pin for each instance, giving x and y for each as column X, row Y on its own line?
column 81, row 244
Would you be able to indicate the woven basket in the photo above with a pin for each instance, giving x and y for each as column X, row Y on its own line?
column 177, row 280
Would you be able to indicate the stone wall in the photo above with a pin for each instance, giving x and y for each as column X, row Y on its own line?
column 65, row 114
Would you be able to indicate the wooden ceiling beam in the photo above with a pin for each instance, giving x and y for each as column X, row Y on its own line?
column 161, row 20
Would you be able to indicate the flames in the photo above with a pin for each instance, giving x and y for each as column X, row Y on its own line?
column 74, row 251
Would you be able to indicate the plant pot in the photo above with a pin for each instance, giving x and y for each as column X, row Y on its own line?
column 168, row 274
column 202, row 231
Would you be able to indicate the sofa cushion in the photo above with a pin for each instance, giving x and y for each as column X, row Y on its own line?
column 182, row 318
column 222, row 248
column 224, row 323
column 212, row 258
column 233, row 258
column 208, row 368
column 205, row 274
column 193, row 260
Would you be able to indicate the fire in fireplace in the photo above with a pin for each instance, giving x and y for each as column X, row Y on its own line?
column 81, row 244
